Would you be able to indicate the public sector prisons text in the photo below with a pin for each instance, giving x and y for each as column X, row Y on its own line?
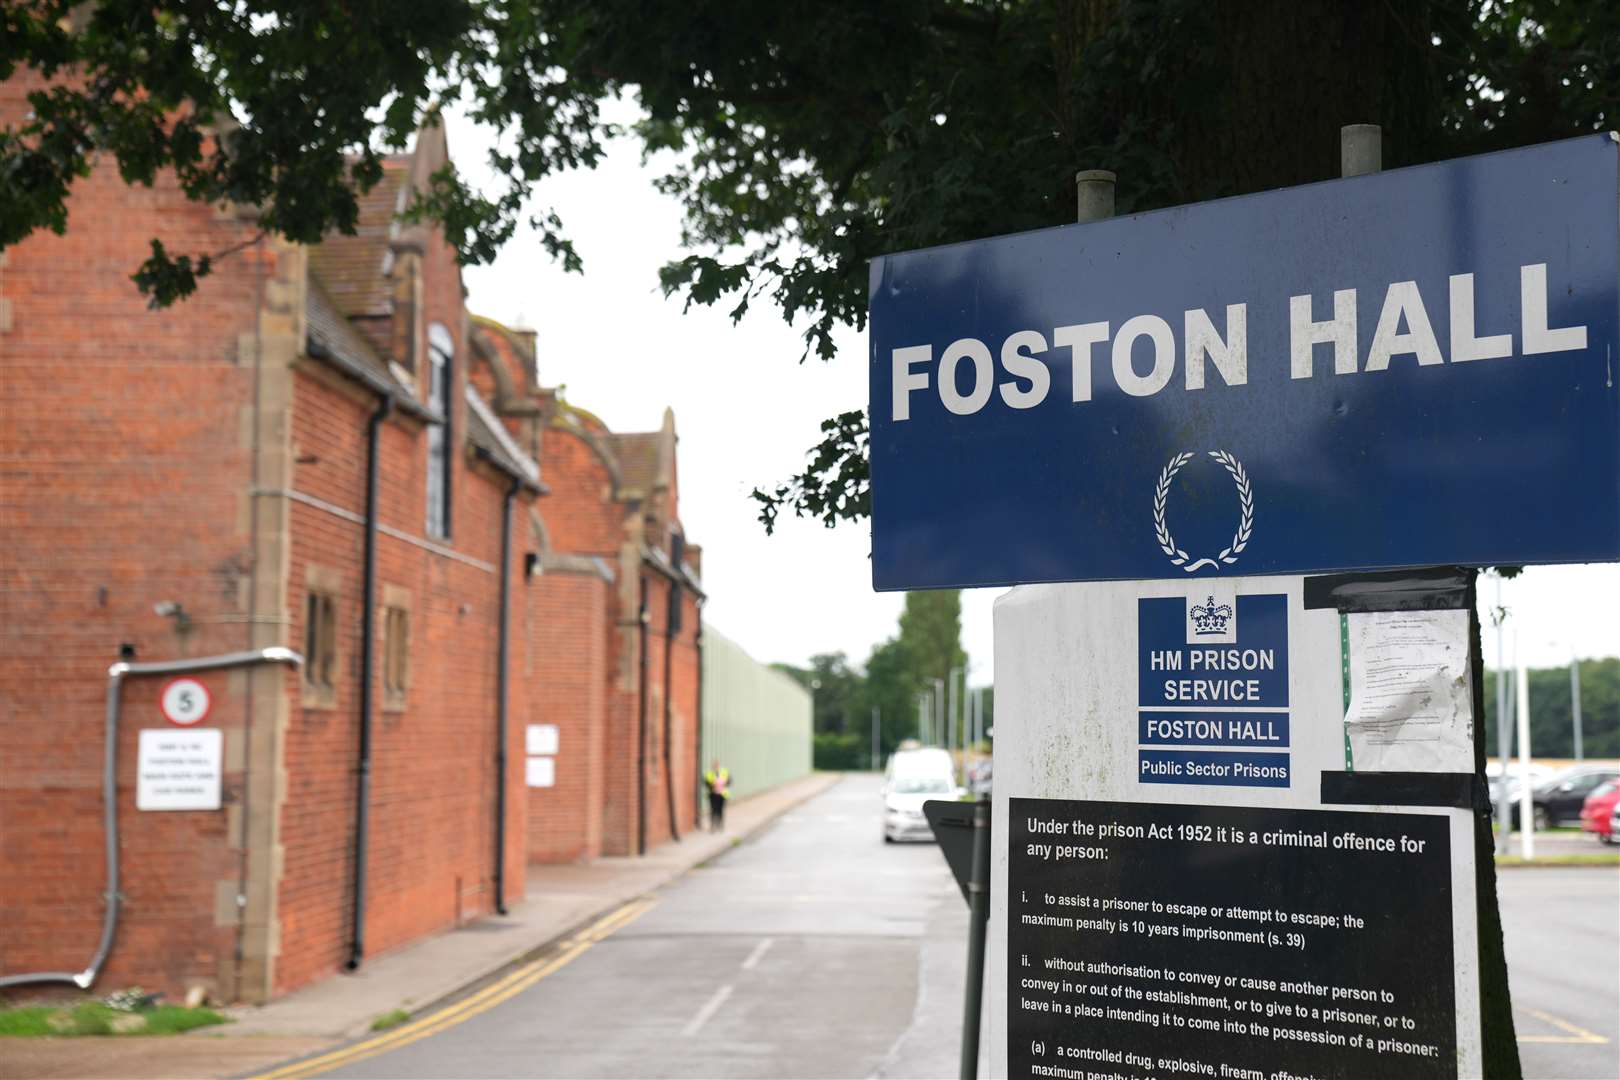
column 1228, row 353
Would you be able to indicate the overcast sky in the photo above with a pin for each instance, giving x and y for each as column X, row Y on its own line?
column 746, row 411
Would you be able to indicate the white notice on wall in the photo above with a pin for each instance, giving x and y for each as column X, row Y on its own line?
column 542, row 772
column 179, row 769
column 1410, row 704
column 540, row 739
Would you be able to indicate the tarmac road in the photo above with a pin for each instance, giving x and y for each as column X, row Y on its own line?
column 1562, row 930
column 815, row 950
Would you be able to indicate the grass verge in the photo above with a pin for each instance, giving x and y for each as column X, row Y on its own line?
column 1594, row 858
column 390, row 1019
column 93, row 1018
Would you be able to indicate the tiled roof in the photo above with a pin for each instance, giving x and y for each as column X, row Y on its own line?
column 334, row 341
column 484, row 431
column 638, row 458
column 353, row 268
column 328, row 327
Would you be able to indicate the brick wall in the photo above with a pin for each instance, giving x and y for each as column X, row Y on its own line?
column 677, row 763
column 581, row 513
column 126, row 462
column 583, row 517
column 430, row 859
column 127, row 443
column 565, row 680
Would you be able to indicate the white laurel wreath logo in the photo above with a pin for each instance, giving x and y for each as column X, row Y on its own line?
column 1245, row 529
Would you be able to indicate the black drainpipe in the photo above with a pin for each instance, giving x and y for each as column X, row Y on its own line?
column 502, row 651
column 368, row 616
column 702, row 728
column 641, row 727
column 672, row 626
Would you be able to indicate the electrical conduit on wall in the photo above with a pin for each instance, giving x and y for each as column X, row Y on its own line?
column 116, row 674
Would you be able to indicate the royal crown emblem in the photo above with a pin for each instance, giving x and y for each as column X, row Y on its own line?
column 1209, row 619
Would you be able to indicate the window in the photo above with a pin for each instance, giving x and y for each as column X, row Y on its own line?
column 320, row 648
column 441, row 377
column 396, row 656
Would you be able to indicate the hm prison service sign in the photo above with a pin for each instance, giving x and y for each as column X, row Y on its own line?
column 1410, row 368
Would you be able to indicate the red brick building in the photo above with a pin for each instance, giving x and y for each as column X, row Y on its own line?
column 609, row 540
column 217, row 477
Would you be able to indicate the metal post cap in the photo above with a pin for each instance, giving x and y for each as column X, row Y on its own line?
column 1094, row 192
column 1361, row 149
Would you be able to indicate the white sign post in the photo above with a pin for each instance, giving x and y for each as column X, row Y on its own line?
column 179, row 770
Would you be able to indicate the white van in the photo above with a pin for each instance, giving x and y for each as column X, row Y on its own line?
column 912, row 778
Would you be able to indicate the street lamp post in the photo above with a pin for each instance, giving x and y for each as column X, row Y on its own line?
column 877, row 752
column 1575, row 700
column 1527, row 822
column 815, row 684
column 938, row 734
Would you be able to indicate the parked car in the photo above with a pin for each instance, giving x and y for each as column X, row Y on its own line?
column 1559, row 799
column 912, row 778
column 1599, row 813
column 1498, row 779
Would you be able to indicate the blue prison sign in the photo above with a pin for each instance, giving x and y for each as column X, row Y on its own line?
column 1410, row 368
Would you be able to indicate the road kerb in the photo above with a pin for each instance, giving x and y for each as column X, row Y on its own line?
column 481, row 1001
column 538, row 955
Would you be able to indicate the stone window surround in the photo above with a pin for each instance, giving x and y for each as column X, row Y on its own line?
column 395, row 696
column 322, row 581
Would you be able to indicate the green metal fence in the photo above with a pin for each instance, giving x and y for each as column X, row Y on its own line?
column 755, row 720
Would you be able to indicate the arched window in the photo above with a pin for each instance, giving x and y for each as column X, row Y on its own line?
column 441, row 377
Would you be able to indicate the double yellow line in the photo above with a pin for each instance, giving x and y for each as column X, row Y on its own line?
column 1575, row 1033
column 508, row 986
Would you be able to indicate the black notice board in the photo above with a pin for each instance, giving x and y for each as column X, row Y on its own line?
column 1149, row 940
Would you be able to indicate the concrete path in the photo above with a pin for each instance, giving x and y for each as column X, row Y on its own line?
column 134, row 1057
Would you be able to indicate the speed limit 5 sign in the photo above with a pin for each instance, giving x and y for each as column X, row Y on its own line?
column 185, row 701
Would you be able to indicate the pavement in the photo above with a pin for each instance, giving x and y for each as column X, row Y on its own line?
column 560, row 900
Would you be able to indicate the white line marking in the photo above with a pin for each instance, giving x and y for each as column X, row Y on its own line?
column 710, row 1007
column 759, row 950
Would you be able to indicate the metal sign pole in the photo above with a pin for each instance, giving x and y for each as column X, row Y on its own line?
column 1504, row 730
column 978, row 920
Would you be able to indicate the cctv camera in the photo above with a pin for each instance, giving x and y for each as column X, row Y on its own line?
column 166, row 608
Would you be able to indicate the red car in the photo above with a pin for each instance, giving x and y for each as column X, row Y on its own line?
column 1598, row 812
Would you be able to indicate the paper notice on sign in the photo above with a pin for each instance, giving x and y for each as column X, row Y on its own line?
column 1410, row 705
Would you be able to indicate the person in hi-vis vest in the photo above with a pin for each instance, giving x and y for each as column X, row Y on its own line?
column 718, row 781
